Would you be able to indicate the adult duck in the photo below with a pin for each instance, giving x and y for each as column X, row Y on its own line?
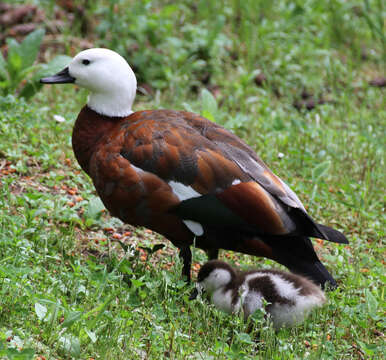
column 184, row 176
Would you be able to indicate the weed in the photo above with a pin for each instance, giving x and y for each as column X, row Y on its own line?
column 18, row 72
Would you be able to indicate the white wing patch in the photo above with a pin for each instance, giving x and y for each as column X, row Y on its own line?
column 182, row 191
column 185, row 192
column 195, row 227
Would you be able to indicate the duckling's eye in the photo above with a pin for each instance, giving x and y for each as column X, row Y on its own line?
column 85, row 62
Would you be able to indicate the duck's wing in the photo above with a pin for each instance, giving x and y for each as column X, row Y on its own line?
column 218, row 179
column 251, row 164
column 246, row 159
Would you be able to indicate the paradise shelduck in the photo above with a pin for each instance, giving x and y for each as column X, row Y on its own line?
column 288, row 297
column 184, row 176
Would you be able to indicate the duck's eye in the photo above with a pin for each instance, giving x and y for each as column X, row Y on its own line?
column 85, row 62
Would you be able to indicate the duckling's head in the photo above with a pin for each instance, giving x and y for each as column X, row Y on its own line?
column 108, row 77
column 215, row 274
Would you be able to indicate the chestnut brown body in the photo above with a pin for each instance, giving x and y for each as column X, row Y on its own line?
column 241, row 205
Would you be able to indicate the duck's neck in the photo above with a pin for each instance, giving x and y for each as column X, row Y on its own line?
column 115, row 98
column 108, row 105
column 88, row 130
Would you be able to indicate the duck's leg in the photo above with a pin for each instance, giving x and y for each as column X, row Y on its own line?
column 186, row 256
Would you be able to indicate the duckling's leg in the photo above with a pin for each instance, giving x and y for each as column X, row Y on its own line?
column 186, row 256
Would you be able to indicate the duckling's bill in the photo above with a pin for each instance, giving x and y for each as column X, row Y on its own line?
column 196, row 291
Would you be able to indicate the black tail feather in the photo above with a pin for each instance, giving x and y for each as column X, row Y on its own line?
column 332, row 234
column 299, row 256
column 316, row 272
column 308, row 227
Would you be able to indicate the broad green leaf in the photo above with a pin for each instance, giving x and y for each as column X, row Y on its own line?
column 208, row 102
column 30, row 47
column 320, row 170
column 125, row 267
column 3, row 349
column 72, row 318
column 70, row 344
column 208, row 115
column 91, row 335
column 372, row 303
column 3, row 84
column 368, row 349
column 245, row 338
column 169, row 10
column 137, row 283
column 3, row 67
column 41, row 311
column 23, row 74
column 25, row 354
column 15, row 61
column 100, row 309
column 95, row 206
column 54, row 66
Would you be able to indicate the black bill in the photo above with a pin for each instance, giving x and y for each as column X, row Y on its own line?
column 62, row 77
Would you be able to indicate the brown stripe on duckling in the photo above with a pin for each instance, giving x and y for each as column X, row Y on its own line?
column 305, row 286
column 265, row 286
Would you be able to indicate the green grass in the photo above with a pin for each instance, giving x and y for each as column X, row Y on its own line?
column 69, row 290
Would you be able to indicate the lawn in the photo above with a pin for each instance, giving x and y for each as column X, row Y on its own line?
column 300, row 82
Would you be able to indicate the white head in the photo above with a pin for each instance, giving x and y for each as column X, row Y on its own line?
column 218, row 278
column 108, row 77
column 214, row 275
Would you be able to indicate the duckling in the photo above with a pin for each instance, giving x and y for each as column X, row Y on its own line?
column 290, row 297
